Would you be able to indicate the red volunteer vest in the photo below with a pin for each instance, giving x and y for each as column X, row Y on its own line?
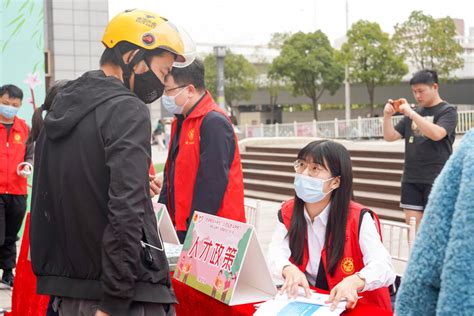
column 187, row 164
column 12, row 153
column 352, row 259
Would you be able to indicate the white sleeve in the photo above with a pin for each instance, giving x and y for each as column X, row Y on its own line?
column 278, row 251
column 378, row 270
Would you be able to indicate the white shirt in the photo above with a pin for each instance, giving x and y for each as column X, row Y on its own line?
column 378, row 270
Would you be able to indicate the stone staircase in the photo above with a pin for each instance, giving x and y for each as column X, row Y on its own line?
column 269, row 175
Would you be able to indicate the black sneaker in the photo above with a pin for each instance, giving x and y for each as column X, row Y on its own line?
column 8, row 277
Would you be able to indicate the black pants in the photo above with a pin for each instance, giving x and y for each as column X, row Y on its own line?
column 12, row 211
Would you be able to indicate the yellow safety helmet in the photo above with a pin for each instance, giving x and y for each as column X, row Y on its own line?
column 149, row 31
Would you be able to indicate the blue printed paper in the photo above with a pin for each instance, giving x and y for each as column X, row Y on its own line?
column 298, row 309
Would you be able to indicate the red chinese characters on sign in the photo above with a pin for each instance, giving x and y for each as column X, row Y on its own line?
column 216, row 255
column 194, row 249
column 207, row 247
column 229, row 258
column 216, row 250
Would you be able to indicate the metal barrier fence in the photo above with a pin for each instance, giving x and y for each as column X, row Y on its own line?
column 352, row 129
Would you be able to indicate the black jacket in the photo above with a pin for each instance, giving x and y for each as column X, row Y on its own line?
column 91, row 205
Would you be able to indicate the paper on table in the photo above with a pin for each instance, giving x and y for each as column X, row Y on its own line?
column 314, row 306
column 316, row 298
column 295, row 308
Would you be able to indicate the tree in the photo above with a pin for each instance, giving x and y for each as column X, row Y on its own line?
column 429, row 44
column 371, row 58
column 240, row 78
column 277, row 40
column 273, row 83
column 307, row 61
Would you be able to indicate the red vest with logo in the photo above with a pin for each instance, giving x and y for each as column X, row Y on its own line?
column 352, row 258
column 12, row 153
column 187, row 164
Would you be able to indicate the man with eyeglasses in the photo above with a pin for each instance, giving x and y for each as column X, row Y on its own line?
column 203, row 171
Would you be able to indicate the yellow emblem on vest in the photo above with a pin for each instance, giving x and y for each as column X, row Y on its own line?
column 17, row 138
column 347, row 265
column 190, row 139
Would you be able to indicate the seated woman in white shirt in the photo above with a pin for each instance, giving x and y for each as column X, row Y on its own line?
column 326, row 240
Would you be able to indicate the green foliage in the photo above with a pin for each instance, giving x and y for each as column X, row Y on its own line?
column 298, row 108
column 189, row 239
column 242, row 248
column 274, row 83
column 307, row 61
column 429, row 44
column 327, row 106
column 371, row 58
column 15, row 25
column 240, row 77
column 277, row 40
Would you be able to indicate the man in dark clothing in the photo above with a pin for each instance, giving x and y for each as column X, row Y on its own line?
column 429, row 132
column 94, row 239
column 203, row 171
column 16, row 156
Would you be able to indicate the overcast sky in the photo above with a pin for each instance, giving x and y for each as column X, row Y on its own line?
column 253, row 21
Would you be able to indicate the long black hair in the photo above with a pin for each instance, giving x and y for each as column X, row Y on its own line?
column 337, row 160
column 37, row 119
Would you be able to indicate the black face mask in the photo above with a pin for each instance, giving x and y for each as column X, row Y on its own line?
column 148, row 87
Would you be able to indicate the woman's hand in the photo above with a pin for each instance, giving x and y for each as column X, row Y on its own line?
column 294, row 278
column 347, row 290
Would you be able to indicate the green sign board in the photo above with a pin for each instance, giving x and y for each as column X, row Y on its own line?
column 22, row 51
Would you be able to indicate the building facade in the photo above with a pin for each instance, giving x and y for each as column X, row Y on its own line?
column 73, row 33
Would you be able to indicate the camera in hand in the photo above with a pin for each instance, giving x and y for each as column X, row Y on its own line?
column 397, row 103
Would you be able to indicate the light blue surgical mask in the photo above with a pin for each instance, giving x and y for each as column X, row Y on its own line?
column 310, row 189
column 8, row 111
column 169, row 102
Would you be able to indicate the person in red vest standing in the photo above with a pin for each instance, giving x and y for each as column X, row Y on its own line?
column 203, row 171
column 15, row 166
column 325, row 239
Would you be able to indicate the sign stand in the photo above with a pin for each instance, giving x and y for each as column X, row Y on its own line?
column 222, row 258
column 165, row 225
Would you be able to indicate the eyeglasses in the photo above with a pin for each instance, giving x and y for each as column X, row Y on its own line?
column 168, row 90
column 313, row 168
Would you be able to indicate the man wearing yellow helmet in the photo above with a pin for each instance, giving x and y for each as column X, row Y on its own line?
column 94, row 239
column 145, row 47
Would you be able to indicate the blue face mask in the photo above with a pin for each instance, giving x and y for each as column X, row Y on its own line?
column 8, row 111
column 310, row 189
column 169, row 102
